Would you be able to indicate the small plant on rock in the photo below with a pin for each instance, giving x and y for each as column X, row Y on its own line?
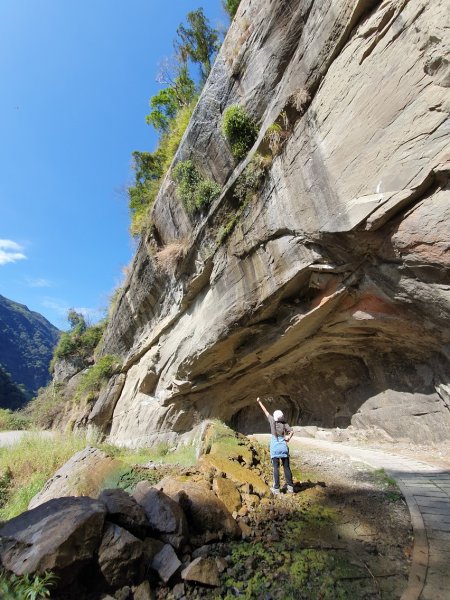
column 300, row 99
column 240, row 130
column 26, row 587
column 206, row 192
column 168, row 257
column 98, row 375
column 249, row 181
column 274, row 137
column 247, row 185
column 195, row 191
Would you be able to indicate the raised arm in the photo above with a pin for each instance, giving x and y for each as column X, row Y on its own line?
column 263, row 408
column 288, row 436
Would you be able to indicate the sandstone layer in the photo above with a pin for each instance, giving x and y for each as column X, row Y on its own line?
column 331, row 295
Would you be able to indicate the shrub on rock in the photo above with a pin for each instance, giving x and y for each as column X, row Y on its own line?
column 239, row 129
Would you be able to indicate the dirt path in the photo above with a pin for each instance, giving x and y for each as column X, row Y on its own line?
column 347, row 530
column 426, row 488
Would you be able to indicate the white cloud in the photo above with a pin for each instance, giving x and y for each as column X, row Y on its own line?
column 39, row 282
column 10, row 252
column 61, row 307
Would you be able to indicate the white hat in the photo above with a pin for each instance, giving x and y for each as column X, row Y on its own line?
column 278, row 415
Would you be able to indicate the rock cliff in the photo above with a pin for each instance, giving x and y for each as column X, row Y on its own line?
column 331, row 294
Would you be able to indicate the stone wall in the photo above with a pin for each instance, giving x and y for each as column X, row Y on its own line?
column 331, row 296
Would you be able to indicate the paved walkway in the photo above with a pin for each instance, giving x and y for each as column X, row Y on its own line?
column 426, row 489
column 8, row 438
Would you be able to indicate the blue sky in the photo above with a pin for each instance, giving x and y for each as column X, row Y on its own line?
column 76, row 77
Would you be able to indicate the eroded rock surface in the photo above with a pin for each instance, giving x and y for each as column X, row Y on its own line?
column 332, row 291
column 60, row 535
column 81, row 475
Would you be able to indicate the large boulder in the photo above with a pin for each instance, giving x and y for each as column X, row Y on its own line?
column 228, row 493
column 82, row 475
column 119, row 556
column 396, row 414
column 208, row 517
column 60, row 535
column 165, row 516
column 123, row 510
column 238, row 474
column 166, row 563
column 202, row 570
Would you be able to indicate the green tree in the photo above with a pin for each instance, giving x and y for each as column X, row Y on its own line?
column 198, row 42
column 231, row 6
column 168, row 101
column 76, row 321
column 148, row 166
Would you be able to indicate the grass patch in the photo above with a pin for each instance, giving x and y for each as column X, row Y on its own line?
column 389, row 485
column 168, row 258
column 27, row 465
column 13, row 420
column 245, row 190
column 384, row 479
column 305, row 573
column 130, row 473
column 30, row 462
column 48, row 404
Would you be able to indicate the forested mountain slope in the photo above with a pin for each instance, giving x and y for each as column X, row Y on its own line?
column 27, row 340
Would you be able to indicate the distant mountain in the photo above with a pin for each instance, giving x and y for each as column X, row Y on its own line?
column 27, row 341
column 12, row 395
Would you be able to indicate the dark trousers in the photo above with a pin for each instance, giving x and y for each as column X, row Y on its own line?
column 276, row 471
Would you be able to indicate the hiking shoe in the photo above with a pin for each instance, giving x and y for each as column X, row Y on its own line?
column 290, row 489
column 275, row 490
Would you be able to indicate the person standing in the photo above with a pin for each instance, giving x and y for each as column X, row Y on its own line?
column 279, row 450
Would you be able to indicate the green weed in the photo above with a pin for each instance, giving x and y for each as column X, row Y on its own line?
column 98, row 375
column 26, row 587
column 195, row 191
column 239, row 129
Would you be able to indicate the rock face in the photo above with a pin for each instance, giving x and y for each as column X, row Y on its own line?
column 123, row 510
column 331, row 293
column 119, row 556
column 60, row 536
column 164, row 514
column 207, row 516
column 81, row 475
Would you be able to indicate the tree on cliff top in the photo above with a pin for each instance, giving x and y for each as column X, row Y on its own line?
column 171, row 108
column 179, row 93
column 199, row 42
